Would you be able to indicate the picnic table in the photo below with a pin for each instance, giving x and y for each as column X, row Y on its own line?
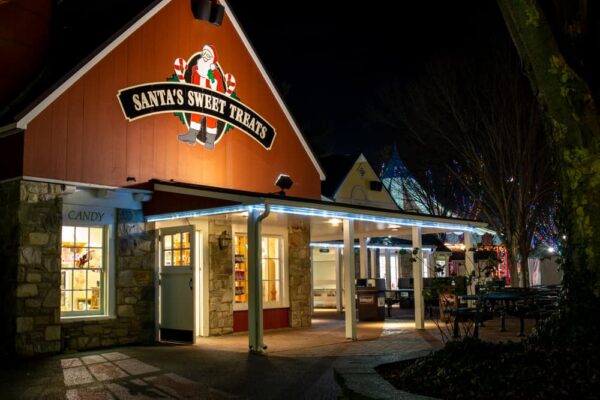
column 523, row 303
column 489, row 301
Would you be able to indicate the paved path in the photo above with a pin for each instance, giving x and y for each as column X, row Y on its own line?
column 298, row 365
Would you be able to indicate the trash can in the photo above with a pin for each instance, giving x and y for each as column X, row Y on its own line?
column 370, row 299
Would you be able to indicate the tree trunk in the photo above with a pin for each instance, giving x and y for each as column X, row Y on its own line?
column 575, row 130
column 511, row 256
column 524, row 281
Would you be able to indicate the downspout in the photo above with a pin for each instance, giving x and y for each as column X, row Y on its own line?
column 255, row 305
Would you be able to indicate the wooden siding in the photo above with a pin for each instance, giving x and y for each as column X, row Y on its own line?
column 84, row 137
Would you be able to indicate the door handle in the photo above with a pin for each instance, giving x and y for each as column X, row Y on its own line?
column 191, row 283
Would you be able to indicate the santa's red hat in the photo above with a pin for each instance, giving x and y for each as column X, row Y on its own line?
column 210, row 48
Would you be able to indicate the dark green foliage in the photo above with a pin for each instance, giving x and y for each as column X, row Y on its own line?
column 472, row 369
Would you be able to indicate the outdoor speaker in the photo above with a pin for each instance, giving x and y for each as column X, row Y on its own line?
column 201, row 9
column 376, row 186
column 208, row 10
column 217, row 12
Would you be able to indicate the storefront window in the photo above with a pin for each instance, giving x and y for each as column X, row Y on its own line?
column 272, row 265
column 393, row 269
column 241, row 269
column 83, row 266
column 271, row 269
column 176, row 250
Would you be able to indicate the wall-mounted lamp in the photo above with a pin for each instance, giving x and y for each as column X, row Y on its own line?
column 284, row 182
column 224, row 240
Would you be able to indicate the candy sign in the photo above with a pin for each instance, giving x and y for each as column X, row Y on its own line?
column 204, row 99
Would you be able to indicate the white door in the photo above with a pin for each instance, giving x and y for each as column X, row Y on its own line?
column 176, row 284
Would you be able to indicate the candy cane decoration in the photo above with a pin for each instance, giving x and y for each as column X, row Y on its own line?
column 180, row 68
column 229, row 84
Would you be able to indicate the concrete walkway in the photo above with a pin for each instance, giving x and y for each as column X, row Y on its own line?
column 298, row 365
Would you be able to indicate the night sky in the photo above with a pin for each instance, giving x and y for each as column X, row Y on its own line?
column 331, row 64
column 330, row 60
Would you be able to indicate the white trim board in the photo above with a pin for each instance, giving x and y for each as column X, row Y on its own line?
column 274, row 90
column 35, row 111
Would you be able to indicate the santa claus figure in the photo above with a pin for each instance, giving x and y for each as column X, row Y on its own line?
column 207, row 75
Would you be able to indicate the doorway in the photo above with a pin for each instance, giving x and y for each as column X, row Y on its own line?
column 177, row 258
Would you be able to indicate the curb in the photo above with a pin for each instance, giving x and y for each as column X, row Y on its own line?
column 359, row 380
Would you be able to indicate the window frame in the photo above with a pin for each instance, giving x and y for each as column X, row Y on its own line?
column 280, row 234
column 107, row 286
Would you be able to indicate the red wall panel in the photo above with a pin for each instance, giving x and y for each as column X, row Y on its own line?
column 273, row 318
column 83, row 135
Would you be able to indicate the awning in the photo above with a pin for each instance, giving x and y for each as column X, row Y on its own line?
column 175, row 200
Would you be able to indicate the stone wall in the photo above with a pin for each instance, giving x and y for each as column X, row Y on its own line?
column 299, row 272
column 31, row 218
column 220, row 280
column 134, row 285
column 30, row 235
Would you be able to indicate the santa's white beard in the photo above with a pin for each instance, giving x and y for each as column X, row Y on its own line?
column 203, row 68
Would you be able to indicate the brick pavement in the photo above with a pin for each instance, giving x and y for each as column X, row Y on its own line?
column 299, row 364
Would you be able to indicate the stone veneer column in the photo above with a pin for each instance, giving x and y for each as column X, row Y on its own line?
column 300, row 273
column 220, row 279
column 31, row 215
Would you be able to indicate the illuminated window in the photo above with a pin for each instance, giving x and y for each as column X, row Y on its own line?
column 240, row 246
column 83, row 270
column 393, row 269
column 272, row 264
column 176, row 250
column 271, row 269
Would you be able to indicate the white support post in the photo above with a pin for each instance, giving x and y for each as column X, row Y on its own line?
column 339, row 281
column 255, row 305
column 363, row 254
column 398, row 266
column 417, row 267
column 349, row 279
column 388, row 269
column 469, row 258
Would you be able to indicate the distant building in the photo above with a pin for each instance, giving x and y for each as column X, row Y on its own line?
column 352, row 180
column 402, row 186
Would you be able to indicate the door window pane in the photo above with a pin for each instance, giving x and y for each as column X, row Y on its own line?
column 176, row 249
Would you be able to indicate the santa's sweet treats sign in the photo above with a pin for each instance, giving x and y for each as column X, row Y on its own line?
column 204, row 99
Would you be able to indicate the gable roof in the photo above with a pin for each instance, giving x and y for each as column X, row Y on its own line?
column 337, row 167
column 77, row 36
column 42, row 102
column 404, row 188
